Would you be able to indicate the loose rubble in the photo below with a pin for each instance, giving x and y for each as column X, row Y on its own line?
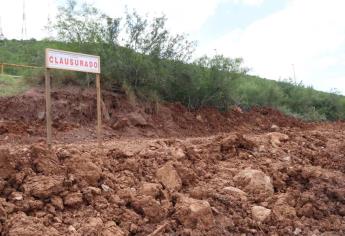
column 271, row 175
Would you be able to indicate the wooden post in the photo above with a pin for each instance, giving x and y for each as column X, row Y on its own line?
column 99, row 112
column 2, row 69
column 48, row 109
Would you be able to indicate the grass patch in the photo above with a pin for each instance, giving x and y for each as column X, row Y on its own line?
column 12, row 85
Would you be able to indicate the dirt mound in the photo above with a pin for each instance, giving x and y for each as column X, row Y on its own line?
column 228, row 184
column 254, row 172
column 22, row 118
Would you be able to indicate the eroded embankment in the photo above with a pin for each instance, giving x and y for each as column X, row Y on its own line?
column 22, row 118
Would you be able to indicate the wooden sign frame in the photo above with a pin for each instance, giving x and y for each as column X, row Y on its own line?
column 69, row 66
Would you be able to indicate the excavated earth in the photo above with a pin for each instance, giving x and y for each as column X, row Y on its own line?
column 165, row 170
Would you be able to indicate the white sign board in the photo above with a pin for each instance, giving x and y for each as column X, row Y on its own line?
column 57, row 59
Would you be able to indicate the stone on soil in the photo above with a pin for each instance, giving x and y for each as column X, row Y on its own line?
column 236, row 191
column 151, row 208
column 43, row 186
column 111, row 229
column 169, row 177
column 22, row 225
column 276, row 138
column 137, row 119
column 84, row 169
column 92, row 226
column 254, row 181
column 151, row 189
column 73, row 199
column 194, row 214
column 260, row 213
column 57, row 202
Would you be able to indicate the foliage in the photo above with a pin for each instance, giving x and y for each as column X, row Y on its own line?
column 11, row 85
column 289, row 97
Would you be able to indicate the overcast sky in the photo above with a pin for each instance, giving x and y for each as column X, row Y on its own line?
column 271, row 35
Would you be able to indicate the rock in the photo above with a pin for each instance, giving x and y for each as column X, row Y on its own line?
column 283, row 212
column 41, row 115
column 194, row 214
column 151, row 189
column 16, row 196
column 133, row 228
column 131, row 164
column 111, row 229
column 276, row 138
column 100, row 202
column 260, row 213
column 63, row 154
column 297, row 231
column 237, row 109
column 94, row 190
column 199, row 118
column 120, row 124
column 18, row 178
column 306, row 210
column 187, row 175
column 286, row 158
column 283, row 207
column 50, row 208
column 236, row 191
column 57, row 202
column 105, row 188
column 262, row 148
column 199, row 192
column 169, row 177
column 275, row 128
column 151, row 208
column 84, row 169
column 57, row 220
column 92, row 226
column 127, row 194
column 159, row 230
column 73, row 199
column 45, row 161
column 71, row 229
column 20, row 224
column 178, row 153
column 7, row 207
column 137, row 119
column 43, row 186
column 35, row 204
column 254, row 181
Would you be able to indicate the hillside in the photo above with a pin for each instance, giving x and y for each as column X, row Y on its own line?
column 193, row 84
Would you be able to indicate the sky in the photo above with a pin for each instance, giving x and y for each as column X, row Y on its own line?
column 278, row 39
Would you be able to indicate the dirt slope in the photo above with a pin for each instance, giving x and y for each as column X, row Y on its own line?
column 207, row 173
column 22, row 118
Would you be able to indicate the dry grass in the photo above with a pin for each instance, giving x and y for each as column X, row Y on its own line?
column 12, row 85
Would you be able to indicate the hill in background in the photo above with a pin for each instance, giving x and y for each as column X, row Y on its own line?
column 194, row 85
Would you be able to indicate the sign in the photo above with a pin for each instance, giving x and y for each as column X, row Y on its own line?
column 57, row 59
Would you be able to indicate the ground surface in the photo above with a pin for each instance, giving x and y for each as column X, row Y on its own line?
column 164, row 170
